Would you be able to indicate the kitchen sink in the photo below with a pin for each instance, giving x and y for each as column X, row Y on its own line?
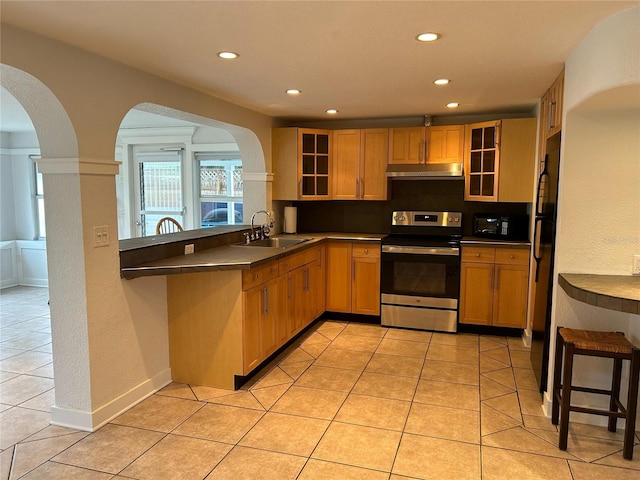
column 277, row 242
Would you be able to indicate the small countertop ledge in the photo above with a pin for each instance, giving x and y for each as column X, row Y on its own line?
column 613, row 292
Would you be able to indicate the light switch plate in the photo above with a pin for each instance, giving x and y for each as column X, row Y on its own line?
column 188, row 249
column 636, row 265
column 101, row 236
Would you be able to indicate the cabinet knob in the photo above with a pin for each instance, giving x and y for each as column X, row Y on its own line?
column 512, row 256
column 366, row 251
column 477, row 254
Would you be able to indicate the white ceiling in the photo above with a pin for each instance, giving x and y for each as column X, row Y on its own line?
column 360, row 57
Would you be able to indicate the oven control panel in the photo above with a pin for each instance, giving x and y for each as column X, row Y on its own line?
column 427, row 219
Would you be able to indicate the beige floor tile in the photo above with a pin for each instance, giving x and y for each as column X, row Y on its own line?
column 587, row 449
column 516, row 343
column 595, row 431
column 314, row 337
column 310, row 402
column 275, row 376
column 453, row 353
column 490, row 389
column 395, row 365
column 506, row 404
column 426, row 457
column 44, row 371
column 294, row 356
column 534, row 422
column 498, row 464
column 268, row 396
column 530, row 402
column 206, row 393
column 221, row 423
column 459, row 339
column 250, row 463
column 158, row 413
column 53, row 431
column 521, row 440
column 406, row 334
column 491, row 343
column 19, row 423
column 110, row 449
column 499, row 355
column 492, row 421
column 359, row 446
column 179, row 390
column 330, row 329
column 178, row 457
column 503, row 376
column 23, row 388
column 42, row 402
column 448, row 395
column 328, row 378
column 444, row 422
column 591, row 471
column 387, row 386
column 55, row 471
column 525, row 379
column 315, row 349
column 488, row 364
column 321, row 470
column 282, row 433
column 520, row 359
column 451, row 372
column 27, row 342
column 374, row 412
column 32, row 454
column 243, row 398
column 359, row 343
column 294, row 370
column 365, row 330
column 4, row 376
column 339, row 358
column 402, row 348
column 6, row 457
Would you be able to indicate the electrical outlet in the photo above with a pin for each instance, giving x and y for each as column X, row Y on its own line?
column 188, row 249
column 636, row 265
column 101, row 236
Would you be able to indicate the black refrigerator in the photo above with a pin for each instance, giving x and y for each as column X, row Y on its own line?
column 543, row 255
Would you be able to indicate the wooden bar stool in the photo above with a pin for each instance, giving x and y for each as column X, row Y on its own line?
column 595, row 344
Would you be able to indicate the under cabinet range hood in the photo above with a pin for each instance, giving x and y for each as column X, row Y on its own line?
column 424, row 171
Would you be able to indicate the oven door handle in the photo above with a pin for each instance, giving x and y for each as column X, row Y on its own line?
column 451, row 251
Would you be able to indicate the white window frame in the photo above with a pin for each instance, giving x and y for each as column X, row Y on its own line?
column 228, row 159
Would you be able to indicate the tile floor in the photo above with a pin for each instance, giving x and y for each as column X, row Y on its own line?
column 347, row 401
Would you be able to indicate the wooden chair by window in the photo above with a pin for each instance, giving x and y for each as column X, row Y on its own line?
column 168, row 225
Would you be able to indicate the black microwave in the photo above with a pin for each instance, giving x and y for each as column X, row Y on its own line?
column 504, row 227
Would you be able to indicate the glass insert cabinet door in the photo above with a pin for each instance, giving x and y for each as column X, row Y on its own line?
column 482, row 161
column 313, row 155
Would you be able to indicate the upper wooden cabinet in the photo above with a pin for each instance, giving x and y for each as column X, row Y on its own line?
column 499, row 160
column 359, row 164
column 551, row 108
column 309, row 150
column 435, row 144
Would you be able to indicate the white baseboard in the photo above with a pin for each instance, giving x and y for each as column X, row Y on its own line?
column 91, row 421
column 526, row 338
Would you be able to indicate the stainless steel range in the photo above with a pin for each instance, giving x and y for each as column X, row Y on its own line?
column 420, row 276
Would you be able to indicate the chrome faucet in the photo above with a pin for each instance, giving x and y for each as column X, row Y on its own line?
column 265, row 229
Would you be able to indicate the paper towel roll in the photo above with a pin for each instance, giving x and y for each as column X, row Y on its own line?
column 290, row 219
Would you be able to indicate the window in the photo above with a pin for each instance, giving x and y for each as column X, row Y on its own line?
column 220, row 189
column 41, row 231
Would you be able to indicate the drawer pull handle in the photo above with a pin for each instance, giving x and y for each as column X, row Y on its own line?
column 477, row 254
column 366, row 251
column 512, row 256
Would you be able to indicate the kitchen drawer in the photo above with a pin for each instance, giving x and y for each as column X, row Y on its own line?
column 256, row 276
column 369, row 249
column 478, row 254
column 293, row 261
column 512, row 256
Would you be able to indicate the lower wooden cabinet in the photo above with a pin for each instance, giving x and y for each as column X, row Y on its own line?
column 259, row 327
column 494, row 284
column 353, row 277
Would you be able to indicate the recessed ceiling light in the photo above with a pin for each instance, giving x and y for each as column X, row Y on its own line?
column 428, row 37
column 453, row 105
column 332, row 111
column 294, row 91
column 228, row 55
column 441, row 81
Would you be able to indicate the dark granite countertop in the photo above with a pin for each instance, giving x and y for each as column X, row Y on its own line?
column 614, row 292
column 231, row 256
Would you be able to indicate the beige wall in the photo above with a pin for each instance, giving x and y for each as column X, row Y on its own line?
column 110, row 340
column 598, row 227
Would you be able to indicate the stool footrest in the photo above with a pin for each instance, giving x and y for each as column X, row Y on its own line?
column 599, row 391
column 595, row 411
